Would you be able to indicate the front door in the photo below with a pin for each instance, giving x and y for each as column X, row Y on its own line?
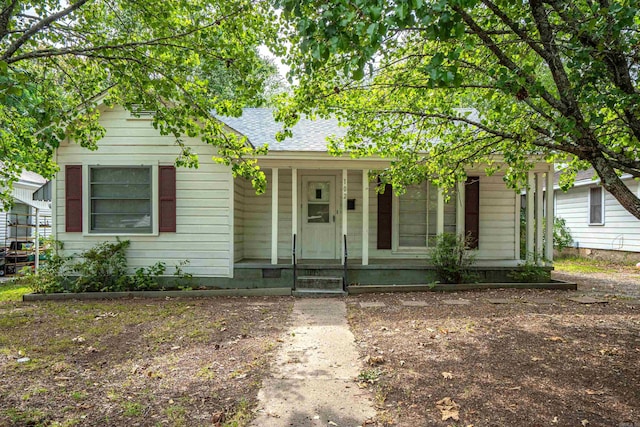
column 318, row 217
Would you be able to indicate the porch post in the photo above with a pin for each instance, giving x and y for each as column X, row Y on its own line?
column 518, row 205
column 37, row 240
column 274, row 216
column 440, row 213
column 460, row 209
column 365, row 217
column 344, row 211
column 530, row 219
column 550, row 216
column 539, row 215
column 294, row 204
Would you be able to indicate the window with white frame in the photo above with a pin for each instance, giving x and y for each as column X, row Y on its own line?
column 120, row 199
column 596, row 206
column 417, row 224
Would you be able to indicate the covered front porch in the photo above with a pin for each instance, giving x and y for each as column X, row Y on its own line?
column 324, row 217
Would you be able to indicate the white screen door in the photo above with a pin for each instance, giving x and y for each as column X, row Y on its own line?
column 318, row 217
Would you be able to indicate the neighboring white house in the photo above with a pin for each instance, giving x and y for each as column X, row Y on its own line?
column 595, row 218
column 23, row 224
column 19, row 221
column 232, row 237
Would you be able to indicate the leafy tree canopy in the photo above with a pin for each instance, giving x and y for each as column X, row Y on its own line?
column 183, row 59
column 439, row 84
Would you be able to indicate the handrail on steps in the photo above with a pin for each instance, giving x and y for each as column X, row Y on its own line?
column 346, row 257
column 295, row 272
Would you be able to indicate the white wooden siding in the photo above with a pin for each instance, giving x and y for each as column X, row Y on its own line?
column 239, row 213
column 497, row 220
column 203, row 206
column 621, row 230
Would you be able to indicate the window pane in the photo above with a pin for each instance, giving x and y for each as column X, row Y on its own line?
column 412, row 221
column 595, row 206
column 318, row 213
column 137, row 175
column 450, row 214
column 432, row 214
column 121, row 200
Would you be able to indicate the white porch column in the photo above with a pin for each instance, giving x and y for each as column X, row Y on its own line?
column 516, row 219
column 539, row 215
column 37, row 240
column 365, row 217
column 440, row 213
column 274, row 216
column 550, row 216
column 460, row 226
column 344, row 211
column 294, row 206
column 530, row 218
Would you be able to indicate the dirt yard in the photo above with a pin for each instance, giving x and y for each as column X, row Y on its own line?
column 136, row 363
column 500, row 358
column 493, row 358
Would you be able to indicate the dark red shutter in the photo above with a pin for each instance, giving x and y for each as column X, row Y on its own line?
column 472, row 210
column 384, row 217
column 73, row 198
column 167, row 198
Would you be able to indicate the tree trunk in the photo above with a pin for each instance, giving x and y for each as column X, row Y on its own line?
column 614, row 185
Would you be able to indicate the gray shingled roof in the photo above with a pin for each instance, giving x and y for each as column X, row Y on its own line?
column 260, row 127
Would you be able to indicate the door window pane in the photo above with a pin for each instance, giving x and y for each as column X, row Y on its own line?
column 318, row 202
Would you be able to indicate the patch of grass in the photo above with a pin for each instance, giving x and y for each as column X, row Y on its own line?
column 241, row 416
column 132, row 409
column 370, row 375
column 581, row 265
column 11, row 291
column 27, row 417
column 177, row 415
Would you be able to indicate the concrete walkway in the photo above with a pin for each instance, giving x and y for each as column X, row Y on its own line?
column 312, row 378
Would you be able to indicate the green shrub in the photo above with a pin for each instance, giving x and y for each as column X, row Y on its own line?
column 102, row 268
column 530, row 272
column 50, row 276
column 452, row 259
column 561, row 233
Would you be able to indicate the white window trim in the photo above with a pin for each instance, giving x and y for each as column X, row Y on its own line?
column 602, row 199
column 86, row 202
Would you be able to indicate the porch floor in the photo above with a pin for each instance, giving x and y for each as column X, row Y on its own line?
column 374, row 263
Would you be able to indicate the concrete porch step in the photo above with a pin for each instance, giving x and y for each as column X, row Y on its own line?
column 318, row 293
column 319, row 282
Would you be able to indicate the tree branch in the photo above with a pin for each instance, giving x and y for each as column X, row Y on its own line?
column 43, row 23
column 5, row 18
column 505, row 60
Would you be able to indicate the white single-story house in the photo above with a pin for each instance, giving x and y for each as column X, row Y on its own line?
column 595, row 218
column 319, row 211
column 24, row 220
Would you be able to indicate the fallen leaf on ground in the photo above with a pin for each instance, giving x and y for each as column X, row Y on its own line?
column 593, row 392
column 331, row 423
column 584, row 422
column 373, row 360
column 447, row 375
column 449, row 409
column 217, row 418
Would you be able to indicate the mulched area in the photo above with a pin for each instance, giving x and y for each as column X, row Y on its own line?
column 499, row 358
column 183, row 362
